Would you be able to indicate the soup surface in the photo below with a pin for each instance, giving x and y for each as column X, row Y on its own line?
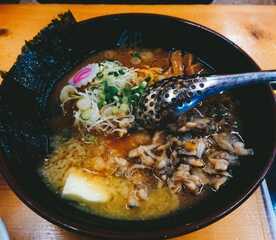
column 103, row 162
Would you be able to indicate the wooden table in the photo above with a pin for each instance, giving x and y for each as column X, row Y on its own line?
column 251, row 27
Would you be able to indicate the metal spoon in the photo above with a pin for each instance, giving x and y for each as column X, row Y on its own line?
column 166, row 100
column 3, row 231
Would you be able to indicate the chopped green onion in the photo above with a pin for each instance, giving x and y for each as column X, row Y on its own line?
column 85, row 115
column 99, row 75
column 143, row 84
column 136, row 55
column 121, row 71
column 116, row 98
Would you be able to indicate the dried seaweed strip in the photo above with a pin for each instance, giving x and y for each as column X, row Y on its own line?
column 27, row 86
column 21, row 139
column 45, row 60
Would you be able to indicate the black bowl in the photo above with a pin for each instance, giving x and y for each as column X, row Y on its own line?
column 257, row 112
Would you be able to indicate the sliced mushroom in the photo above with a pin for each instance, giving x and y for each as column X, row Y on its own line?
column 224, row 141
column 209, row 169
column 162, row 160
column 177, row 62
column 183, row 175
column 195, row 147
column 241, row 150
column 217, row 181
column 199, row 123
column 231, row 144
column 195, row 162
column 158, row 138
column 144, row 154
column 219, row 164
column 204, row 178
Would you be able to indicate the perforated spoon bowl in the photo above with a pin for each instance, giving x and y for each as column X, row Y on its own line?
column 166, row 100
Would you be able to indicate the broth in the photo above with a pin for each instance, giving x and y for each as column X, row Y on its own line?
column 108, row 166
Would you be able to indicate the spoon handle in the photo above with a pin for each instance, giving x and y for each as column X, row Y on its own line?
column 217, row 83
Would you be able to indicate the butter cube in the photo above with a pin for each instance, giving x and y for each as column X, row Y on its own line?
column 81, row 185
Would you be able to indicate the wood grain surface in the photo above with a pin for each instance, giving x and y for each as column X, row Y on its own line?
column 264, row 2
column 250, row 27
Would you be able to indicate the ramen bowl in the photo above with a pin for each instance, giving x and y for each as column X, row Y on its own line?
column 21, row 156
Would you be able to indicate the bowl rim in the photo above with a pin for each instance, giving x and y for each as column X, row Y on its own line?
column 171, row 232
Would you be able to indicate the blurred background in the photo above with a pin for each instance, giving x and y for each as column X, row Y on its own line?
column 267, row 2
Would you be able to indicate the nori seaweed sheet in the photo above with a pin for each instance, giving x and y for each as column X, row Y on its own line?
column 26, row 88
